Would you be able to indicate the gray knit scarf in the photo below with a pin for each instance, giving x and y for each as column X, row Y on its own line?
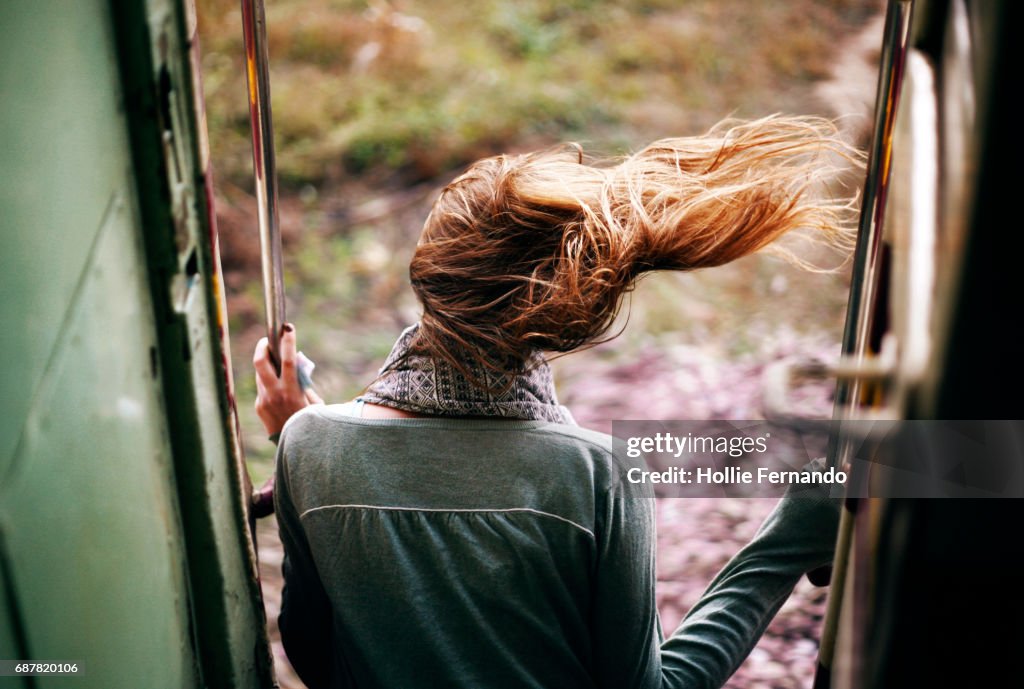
column 432, row 386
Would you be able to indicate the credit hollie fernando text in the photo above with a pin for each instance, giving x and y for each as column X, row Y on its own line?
column 734, row 476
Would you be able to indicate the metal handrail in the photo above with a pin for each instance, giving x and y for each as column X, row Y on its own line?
column 264, row 171
column 867, row 256
column 864, row 291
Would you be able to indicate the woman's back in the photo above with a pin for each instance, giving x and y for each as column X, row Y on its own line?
column 451, row 552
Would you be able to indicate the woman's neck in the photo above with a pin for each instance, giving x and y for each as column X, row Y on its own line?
column 377, row 411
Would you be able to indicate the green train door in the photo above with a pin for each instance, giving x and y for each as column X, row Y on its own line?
column 124, row 539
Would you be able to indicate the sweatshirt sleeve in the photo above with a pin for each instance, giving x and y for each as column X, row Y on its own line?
column 305, row 619
column 625, row 630
column 729, row 618
column 722, row 628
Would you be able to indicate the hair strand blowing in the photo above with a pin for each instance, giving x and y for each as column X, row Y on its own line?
column 535, row 252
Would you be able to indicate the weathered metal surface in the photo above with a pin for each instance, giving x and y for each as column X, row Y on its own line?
column 122, row 498
column 87, row 504
column 12, row 630
column 60, row 165
column 94, row 536
column 212, row 487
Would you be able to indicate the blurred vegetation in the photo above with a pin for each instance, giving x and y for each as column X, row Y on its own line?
column 377, row 104
column 419, row 87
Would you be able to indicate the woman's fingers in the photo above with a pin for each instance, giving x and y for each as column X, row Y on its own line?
column 288, row 353
column 278, row 397
column 312, row 397
column 261, row 351
column 263, row 364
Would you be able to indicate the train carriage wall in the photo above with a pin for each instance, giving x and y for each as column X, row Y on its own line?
column 123, row 511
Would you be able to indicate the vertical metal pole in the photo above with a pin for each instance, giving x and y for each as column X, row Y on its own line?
column 867, row 257
column 859, row 311
column 264, row 170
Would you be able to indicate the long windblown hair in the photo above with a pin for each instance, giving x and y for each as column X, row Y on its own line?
column 535, row 252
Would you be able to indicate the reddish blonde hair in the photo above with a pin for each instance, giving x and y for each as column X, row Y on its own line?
column 535, row 252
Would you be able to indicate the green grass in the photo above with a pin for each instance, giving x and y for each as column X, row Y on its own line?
column 421, row 87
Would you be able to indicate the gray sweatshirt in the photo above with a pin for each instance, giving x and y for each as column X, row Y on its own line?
column 494, row 553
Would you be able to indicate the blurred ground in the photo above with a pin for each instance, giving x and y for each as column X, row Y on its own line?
column 378, row 104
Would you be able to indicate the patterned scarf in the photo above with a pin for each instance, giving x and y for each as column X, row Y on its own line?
column 431, row 386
